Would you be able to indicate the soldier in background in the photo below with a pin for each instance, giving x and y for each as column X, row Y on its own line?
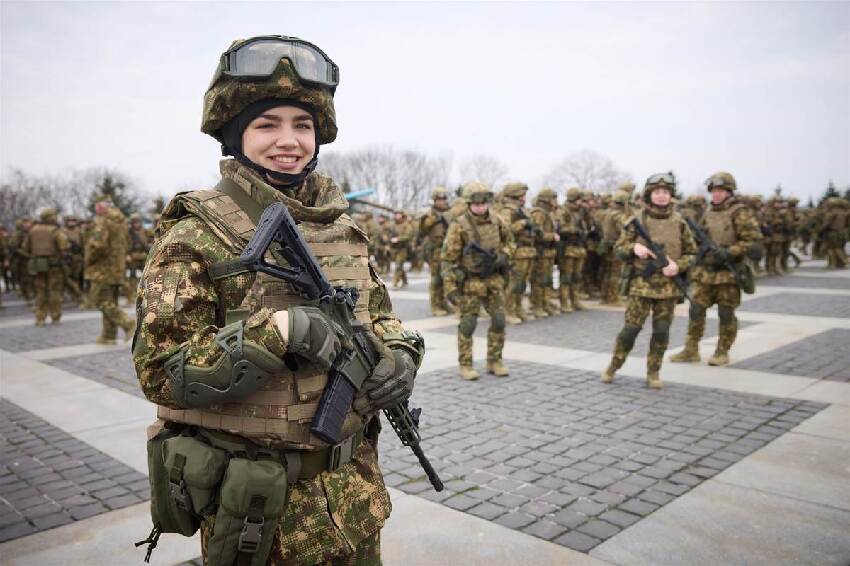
column 834, row 232
column 733, row 227
column 45, row 245
column 20, row 258
column 792, row 215
column 140, row 239
column 777, row 225
column 400, row 235
column 74, row 264
column 106, row 257
column 433, row 226
column 474, row 276
column 512, row 212
column 571, row 251
column 591, row 274
column 543, row 217
column 611, row 231
column 656, row 293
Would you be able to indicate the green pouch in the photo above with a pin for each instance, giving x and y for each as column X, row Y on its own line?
column 167, row 515
column 625, row 280
column 36, row 265
column 746, row 277
column 253, row 496
column 194, row 470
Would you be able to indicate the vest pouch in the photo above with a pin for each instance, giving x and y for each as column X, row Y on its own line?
column 746, row 277
column 253, row 496
column 37, row 265
column 194, row 471
column 167, row 515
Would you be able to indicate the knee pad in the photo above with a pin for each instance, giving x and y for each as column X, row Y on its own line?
column 518, row 287
column 661, row 330
column 436, row 280
column 467, row 325
column 497, row 322
column 727, row 314
column 697, row 312
column 628, row 335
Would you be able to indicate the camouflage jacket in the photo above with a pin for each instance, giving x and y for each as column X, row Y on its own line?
column 657, row 286
column 573, row 231
column 458, row 236
column 515, row 217
column 747, row 235
column 106, row 248
column 178, row 309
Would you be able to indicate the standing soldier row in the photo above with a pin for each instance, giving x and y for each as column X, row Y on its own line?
column 433, row 227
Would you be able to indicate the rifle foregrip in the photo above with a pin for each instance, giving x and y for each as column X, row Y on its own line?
column 333, row 406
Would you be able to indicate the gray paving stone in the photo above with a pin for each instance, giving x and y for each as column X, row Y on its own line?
column 822, row 356
column 620, row 518
column 487, row 510
column 545, row 529
column 515, row 520
column 599, row 529
column 577, row 541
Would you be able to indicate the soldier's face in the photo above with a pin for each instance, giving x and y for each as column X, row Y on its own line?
column 718, row 195
column 282, row 139
column 478, row 208
column 441, row 203
column 660, row 197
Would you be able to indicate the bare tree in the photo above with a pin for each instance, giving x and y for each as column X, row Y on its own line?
column 586, row 169
column 487, row 169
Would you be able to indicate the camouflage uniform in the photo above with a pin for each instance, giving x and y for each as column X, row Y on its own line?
column 571, row 251
column 657, row 293
column 400, row 236
column 433, row 227
column 138, row 253
column 835, row 227
column 542, row 215
column 732, row 226
column 469, row 285
column 193, row 289
column 45, row 245
column 512, row 213
column 611, row 229
column 75, row 256
column 20, row 259
column 105, row 257
column 778, row 226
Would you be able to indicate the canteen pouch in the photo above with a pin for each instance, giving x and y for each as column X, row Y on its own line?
column 253, row 496
column 625, row 280
column 746, row 277
column 194, row 471
column 37, row 265
column 167, row 516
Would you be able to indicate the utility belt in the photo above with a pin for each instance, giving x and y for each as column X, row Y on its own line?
column 197, row 472
column 42, row 264
column 572, row 239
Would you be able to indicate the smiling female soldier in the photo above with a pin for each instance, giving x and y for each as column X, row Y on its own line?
column 239, row 462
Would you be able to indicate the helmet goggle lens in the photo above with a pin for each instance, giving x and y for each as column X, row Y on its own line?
column 717, row 182
column 260, row 57
column 659, row 178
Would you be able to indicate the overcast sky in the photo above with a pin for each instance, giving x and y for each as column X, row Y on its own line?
column 759, row 89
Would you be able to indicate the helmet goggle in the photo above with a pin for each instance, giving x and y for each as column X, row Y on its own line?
column 658, row 178
column 719, row 182
column 480, row 198
column 258, row 58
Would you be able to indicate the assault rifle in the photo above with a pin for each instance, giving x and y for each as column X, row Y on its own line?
column 277, row 232
column 706, row 246
column 660, row 261
column 488, row 260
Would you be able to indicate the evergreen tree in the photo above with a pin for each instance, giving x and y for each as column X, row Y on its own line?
column 118, row 189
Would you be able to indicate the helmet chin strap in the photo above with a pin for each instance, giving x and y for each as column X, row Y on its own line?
column 278, row 179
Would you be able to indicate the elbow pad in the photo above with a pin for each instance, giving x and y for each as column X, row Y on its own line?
column 408, row 340
column 243, row 368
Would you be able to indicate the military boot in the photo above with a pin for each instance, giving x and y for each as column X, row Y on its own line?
column 105, row 341
column 608, row 374
column 690, row 353
column 39, row 322
column 574, row 296
column 129, row 328
column 468, row 373
column 497, row 368
column 653, row 381
column 511, row 310
column 720, row 358
column 439, row 311
column 564, row 295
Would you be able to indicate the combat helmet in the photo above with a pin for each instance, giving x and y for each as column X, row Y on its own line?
column 135, row 216
column 515, row 190
column 439, row 192
column 547, row 196
column 264, row 72
column 476, row 192
column 722, row 180
column 620, row 197
column 573, row 195
column 48, row 215
column 627, row 187
column 659, row 181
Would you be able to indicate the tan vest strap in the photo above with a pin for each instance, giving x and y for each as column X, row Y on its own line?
column 340, row 248
column 353, row 272
column 303, row 412
column 230, row 423
column 309, row 387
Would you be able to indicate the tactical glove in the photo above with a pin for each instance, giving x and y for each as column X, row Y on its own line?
column 453, row 297
column 720, row 256
column 390, row 383
column 313, row 335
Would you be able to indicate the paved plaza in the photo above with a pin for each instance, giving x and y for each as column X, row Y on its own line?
column 747, row 464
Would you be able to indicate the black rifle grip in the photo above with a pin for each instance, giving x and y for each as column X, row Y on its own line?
column 333, row 406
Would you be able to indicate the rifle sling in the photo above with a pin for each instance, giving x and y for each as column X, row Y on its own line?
column 249, row 206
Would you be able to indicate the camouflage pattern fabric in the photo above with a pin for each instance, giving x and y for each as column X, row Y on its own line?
column 403, row 233
column 44, row 245
column 48, row 288
column 637, row 310
column 329, row 516
column 706, row 296
column 106, row 256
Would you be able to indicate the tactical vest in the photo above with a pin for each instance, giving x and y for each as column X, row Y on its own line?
column 666, row 232
column 281, row 412
column 486, row 234
column 525, row 238
column 438, row 230
column 546, row 249
column 42, row 240
column 720, row 227
column 836, row 220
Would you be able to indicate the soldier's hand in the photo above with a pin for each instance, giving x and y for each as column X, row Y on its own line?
column 390, row 383
column 720, row 256
column 313, row 335
column 453, row 297
column 642, row 251
column 671, row 269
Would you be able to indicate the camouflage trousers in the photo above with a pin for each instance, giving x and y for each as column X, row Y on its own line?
column 637, row 310
column 836, row 257
column 436, row 293
column 105, row 299
column 611, row 282
column 541, row 283
column 399, row 275
column 773, row 256
column 570, row 277
column 48, row 294
column 470, row 305
column 727, row 297
column 517, row 282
